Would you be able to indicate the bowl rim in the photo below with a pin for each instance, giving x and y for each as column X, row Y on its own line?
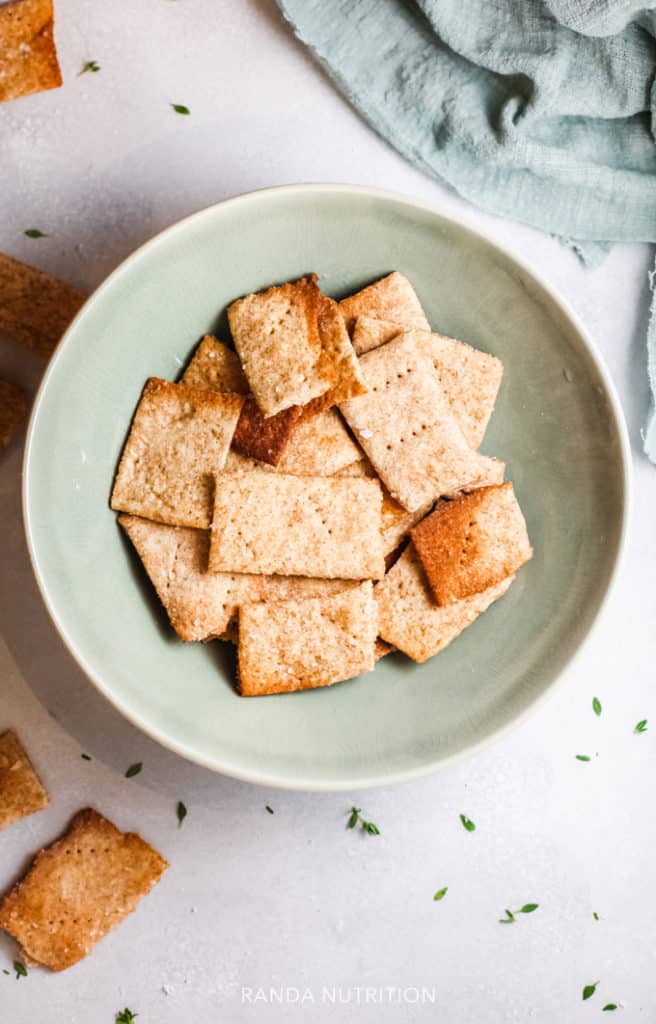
column 283, row 781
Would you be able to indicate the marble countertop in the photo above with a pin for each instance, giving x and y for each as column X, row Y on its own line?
column 276, row 917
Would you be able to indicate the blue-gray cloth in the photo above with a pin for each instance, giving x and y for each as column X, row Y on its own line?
column 539, row 110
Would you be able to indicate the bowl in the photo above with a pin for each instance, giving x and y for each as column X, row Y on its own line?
column 557, row 425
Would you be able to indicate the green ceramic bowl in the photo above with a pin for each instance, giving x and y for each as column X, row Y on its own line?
column 557, row 425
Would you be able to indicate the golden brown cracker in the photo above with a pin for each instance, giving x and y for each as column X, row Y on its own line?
column 338, row 349
column 180, row 437
column 296, row 526
column 472, row 543
column 298, row 645
column 215, row 367
column 390, row 298
column 35, row 307
column 21, row 790
column 13, row 410
column 28, row 57
column 78, row 889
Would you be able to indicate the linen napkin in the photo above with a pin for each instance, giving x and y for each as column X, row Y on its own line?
column 539, row 110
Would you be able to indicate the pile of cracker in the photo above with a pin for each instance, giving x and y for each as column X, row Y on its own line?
column 316, row 494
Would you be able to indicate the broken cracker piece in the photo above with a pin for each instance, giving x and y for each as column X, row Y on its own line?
column 408, row 617
column 473, row 542
column 180, row 437
column 199, row 604
column 406, row 427
column 382, row 649
column 298, row 645
column 390, row 298
column 35, row 307
column 296, row 526
column 28, row 57
column 21, row 790
column 337, row 345
column 13, row 410
column 276, row 334
column 78, row 889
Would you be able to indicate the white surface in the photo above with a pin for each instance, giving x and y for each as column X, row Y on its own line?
column 293, row 900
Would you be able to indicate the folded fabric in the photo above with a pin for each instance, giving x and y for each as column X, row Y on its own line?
column 540, row 111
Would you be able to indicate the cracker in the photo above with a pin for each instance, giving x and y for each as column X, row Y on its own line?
column 320, row 446
column 368, row 332
column 199, row 604
column 408, row 617
column 298, row 588
column 35, row 307
column 276, row 334
column 215, row 367
column 297, row 526
column 28, row 57
column 395, row 521
column 382, row 649
column 13, row 410
column 78, row 889
column 337, row 346
column 405, row 425
column 470, row 380
column 21, row 789
column 180, row 437
column 390, row 298
column 472, row 543
column 298, row 645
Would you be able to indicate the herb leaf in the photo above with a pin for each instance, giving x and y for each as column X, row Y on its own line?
column 370, row 828
column 20, row 968
column 353, row 820
column 91, row 65
column 508, row 919
column 441, row 893
column 134, row 769
column 467, row 823
column 596, row 705
column 609, row 1006
column 528, row 908
column 590, row 990
column 35, row 233
column 180, row 108
column 583, row 757
column 641, row 726
column 269, row 809
column 5, row 971
column 126, row 1016
column 595, row 915
column 181, row 811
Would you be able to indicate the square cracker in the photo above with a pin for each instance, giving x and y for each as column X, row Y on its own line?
column 13, row 410
column 473, row 542
column 408, row 617
column 78, row 889
column 319, row 446
column 216, row 367
column 179, row 438
column 297, row 526
column 199, row 604
column 368, row 332
column 407, row 429
column 35, row 307
column 21, row 790
column 390, row 298
column 276, row 334
column 28, row 57
column 298, row 645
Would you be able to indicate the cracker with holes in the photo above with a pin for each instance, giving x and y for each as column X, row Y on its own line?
column 299, row 645
column 297, row 526
column 21, row 789
column 391, row 298
column 35, row 307
column 407, row 429
column 276, row 334
column 472, row 543
column 199, row 604
column 28, row 57
column 408, row 617
column 78, row 889
column 179, row 439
